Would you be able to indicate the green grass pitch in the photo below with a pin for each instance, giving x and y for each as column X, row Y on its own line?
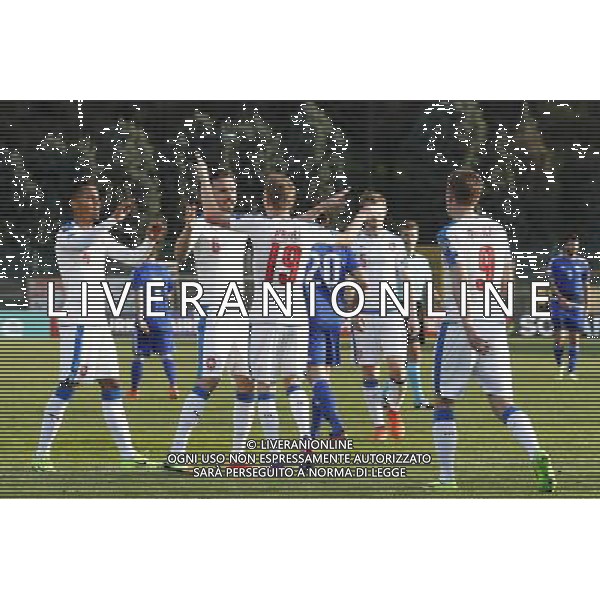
column 489, row 464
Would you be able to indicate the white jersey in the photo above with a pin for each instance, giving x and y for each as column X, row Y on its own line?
column 480, row 245
column 281, row 250
column 380, row 255
column 219, row 259
column 418, row 270
column 81, row 255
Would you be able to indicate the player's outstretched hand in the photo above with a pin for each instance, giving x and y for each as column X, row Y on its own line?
column 123, row 210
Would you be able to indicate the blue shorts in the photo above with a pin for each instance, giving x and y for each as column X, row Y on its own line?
column 324, row 347
column 571, row 318
column 158, row 340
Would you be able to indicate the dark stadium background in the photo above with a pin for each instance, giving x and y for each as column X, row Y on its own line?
column 384, row 138
column 540, row 160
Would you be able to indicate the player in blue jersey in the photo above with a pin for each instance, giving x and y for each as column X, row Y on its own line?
column 330, row 263
column 154, row 329
column 569, row 277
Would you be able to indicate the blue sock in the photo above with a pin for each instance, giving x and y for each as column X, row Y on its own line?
column 573, row 353
column 328, row 407
column 413, row 370
column 324, row 400
column 558, row 353
column 137, row 370
column 169, row 367
column 316, row 417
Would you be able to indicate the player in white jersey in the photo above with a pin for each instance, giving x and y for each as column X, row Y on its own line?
column 87, row 348
column 219, row 251
column 281, row 246
column 419, row 270
column 476, row 252
column 381, row 340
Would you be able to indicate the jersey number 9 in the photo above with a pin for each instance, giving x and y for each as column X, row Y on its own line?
column 487, row 265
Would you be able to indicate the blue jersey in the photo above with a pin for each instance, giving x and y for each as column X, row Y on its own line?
column 570, row 274
column 329, row 264
column 155, row 271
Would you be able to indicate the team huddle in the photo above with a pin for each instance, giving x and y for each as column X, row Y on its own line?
column 303, row 253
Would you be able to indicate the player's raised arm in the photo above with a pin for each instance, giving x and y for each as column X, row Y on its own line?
column 370, row 209
column 205, row 188
column 124, row 254
column 332, row 205
column 185, row 238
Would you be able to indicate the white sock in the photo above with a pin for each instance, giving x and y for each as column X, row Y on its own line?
column 522, row 430
column 444, row 438
column 116, row 421
column 300, row 408
column 191, row 412
column 374, row 401
column 51, row 422
column 243, row 416
column 267, row 413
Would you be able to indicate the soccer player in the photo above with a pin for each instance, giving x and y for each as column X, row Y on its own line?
column 331, row 262
column 476, row 251
column 569, row 278
column 420, row 273
column 154, row 334
column 381, row 341
column 219, row 252
column 281, row 248
column 87, row 347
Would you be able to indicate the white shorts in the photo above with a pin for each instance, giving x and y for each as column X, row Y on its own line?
column 455, row 362
column 87, row 354
column 278, row 350
column 381, row 339
column 223, row 346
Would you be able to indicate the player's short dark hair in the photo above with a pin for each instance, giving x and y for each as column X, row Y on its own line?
column 370, row 197
column 281, row 188
column 466, row 186
column 79, row 184
column 570, row 237
column 224, row 174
